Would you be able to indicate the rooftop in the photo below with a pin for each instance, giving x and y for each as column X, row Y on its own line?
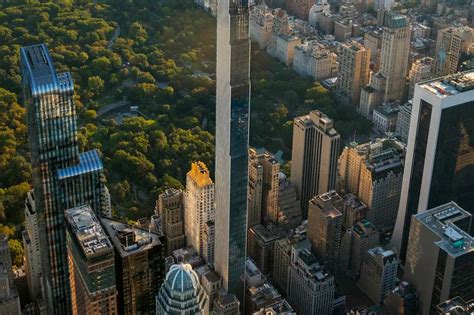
column 267, row 235
column 442, row 221
column 88, row 231
column 450, row 85
column 88, row 162
column 314, row 271
column 457, row 306
column 199, row 174
column 129, row 240
column 389, row 109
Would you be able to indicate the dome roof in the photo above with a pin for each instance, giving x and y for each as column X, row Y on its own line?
column 182, row 278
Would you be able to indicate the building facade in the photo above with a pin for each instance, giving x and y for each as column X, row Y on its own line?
column 200, row 208
column 451, row 43
column 354, row 72
column 314, row 156
column 440, row 256
column 232, row 132
column 91, row 264
column 324, row 228
column 170, row 208
column 439, row 159
column 62, row 177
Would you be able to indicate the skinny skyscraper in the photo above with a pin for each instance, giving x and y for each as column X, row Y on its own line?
column 232, row 123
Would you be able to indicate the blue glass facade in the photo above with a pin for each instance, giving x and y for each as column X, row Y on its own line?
column 52, row 134
column 232, row 107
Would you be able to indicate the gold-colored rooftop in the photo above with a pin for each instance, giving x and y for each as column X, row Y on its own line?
column 200, row 174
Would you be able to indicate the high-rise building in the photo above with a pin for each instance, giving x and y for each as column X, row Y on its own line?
column 9, row 298
column 378, row 274
column 456, row 305
column 260, row 245
column 62, row 177
column 388, row 84
column 311, row 288
column 440, row 154
column 420, row 71
column 324, row 228
column 314, row 60
column 403, row 121
column 355, row 243
column 354, row 72
column 289, row 206
column 32, row 247
column 170, row 208
column 266, row 165
column 282, row 258
column 451, row 43
column 440, row 256
column 181, row 292
column 320, row 7
column 139, row 266
column 394, row 54
column 374, row 172
column 373, row 42
column 232, row 132
column 314, row 156
column 91, row 264
column 200, row 208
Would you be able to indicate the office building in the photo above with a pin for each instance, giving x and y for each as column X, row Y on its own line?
column 32, row 248
column 200, row 208
column 440, row 154
column 263, row 179
column 440, row 256
column 324, row 228
column 402, row 300
column 451, row 43
column 170, row 208
column 139, row 266
column 62, row 177
column 232, row 132
column 354, row 72
column 355, row 244
column 282, row 258
column 378, row 274
column 313, row 60
column 91, row 264
column 420, row 71
column 181, row 292
column 289, row 206
column 311, row 288
column 260, row 245
column 9, row 297
column 211, row 283
column 314, row 156
column 403, row 121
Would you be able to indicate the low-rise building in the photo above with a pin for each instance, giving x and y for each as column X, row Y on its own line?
column 314, row 60
column 385, row 117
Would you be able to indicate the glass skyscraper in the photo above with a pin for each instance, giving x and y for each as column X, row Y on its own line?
column 62, row 178
column 439, row 164
column 232, row 108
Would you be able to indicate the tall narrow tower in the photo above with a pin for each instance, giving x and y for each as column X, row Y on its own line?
column 233, row 103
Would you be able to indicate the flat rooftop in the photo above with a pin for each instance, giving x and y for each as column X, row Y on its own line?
column 89, row 161
column 88, row 232
column 442, row 221
column 129, row 240
column 450, row 85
